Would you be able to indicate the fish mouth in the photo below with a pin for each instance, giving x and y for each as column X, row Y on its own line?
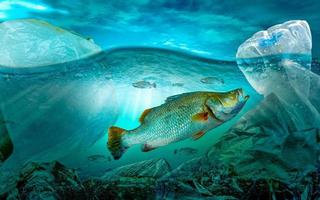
column 241, row 96
column 239, row 99
column 242, row 99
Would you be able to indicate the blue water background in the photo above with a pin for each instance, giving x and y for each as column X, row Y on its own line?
column 205, row 36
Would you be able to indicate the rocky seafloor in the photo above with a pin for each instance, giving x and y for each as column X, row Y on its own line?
column 199, row 178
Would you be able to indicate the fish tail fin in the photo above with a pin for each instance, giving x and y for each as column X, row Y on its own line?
column 115, row 144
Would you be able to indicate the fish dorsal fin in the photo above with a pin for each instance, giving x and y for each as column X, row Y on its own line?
column 144, row 114
column 174, row 97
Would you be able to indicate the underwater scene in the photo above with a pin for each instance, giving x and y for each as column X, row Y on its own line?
column 160, row 99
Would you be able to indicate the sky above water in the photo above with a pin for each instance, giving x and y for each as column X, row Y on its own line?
column 212, row 29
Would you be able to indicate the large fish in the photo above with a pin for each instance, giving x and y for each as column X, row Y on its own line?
column 180, row 117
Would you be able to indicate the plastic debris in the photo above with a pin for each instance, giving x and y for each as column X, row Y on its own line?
column 278, row 139
column 34, row 43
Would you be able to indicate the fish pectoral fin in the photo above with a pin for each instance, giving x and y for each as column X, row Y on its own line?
column 144, row 114
column 147, row 147
column 198, row 135
column 200, row 116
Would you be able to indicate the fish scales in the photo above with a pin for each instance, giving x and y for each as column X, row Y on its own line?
column 167, row 123
column 180, row 117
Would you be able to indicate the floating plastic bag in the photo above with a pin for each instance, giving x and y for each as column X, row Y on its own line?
column 279, row 139
column 34, row 43
column 261, row 58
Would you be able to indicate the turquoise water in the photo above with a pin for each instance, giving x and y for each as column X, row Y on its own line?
column 104, row 93
column 62, row 112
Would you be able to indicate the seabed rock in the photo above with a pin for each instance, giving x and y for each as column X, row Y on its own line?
column 134, row 181
column 154, row 168
column 46, row 181
column 199, row 178
column 206, row 177
column 122, row 188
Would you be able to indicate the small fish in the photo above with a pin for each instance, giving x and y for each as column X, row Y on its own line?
column 177, row 84
column 212, row 80
column 96, row 157
column 181, row 116
column 186, row 151
column 144, row 84
column 108, row 77
column 6, row 77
